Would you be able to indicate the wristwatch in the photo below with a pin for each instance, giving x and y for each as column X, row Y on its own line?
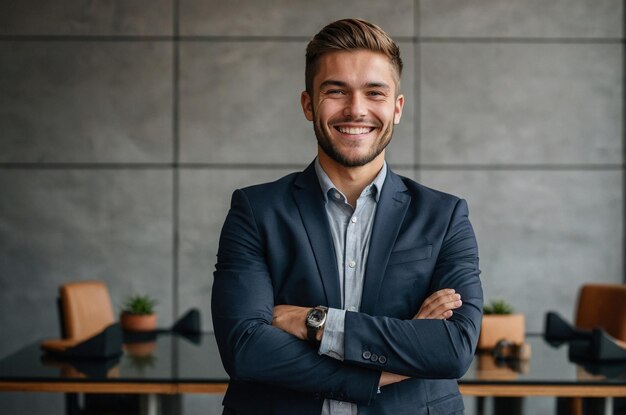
column 315, row 319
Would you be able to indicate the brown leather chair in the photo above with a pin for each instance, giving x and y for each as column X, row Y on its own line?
column 603, row 305
column 86, row 310
column 599, row 305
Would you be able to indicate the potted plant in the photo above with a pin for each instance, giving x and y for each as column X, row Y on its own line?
column 138, row 313
column 500, row 323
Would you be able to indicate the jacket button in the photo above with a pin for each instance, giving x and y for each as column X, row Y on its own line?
column 374, row 357
column 367, row 354
column 382, row 360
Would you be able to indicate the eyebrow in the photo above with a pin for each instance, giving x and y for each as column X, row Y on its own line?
column 332, row 82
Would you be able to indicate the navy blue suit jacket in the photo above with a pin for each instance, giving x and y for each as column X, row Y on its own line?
column 276, row 248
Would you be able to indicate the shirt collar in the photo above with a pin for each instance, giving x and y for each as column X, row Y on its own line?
column 326, row 184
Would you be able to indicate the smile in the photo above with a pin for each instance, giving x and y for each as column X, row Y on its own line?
column 355, row 130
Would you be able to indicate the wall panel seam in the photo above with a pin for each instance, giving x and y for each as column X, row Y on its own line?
column 291, row 39
column 175, row 160
column 417, row 112
column 623, row 142
column 279, row 166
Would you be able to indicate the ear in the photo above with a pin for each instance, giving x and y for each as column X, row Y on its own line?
column 307, row 105
column 398, row 109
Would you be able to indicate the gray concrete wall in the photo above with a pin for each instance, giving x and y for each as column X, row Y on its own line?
column 125, row 126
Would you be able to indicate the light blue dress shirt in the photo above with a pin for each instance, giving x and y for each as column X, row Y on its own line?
column 351, row 229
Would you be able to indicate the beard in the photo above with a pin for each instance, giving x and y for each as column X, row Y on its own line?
column 346, row 160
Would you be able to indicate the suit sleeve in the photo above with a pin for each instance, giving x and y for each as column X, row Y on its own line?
column 250, row 347
column 427, row 348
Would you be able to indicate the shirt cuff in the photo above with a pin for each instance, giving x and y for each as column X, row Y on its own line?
column 333, row 338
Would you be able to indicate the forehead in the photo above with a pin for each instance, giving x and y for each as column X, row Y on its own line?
column 355, row 68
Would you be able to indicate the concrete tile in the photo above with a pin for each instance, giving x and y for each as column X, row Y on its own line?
column 77, row 17
column 409, row 173
column 86, row 101
column 541, row 234
column 521, row 103
column 289, row 17
column 58, row 226
column 231, row 111
column 522, row 18
column 204, row 202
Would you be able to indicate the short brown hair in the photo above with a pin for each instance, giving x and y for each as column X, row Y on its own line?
column 350, row 34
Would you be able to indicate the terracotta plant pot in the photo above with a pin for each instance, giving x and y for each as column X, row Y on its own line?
column 138, row 322
column 497, row 327
column 140, row 349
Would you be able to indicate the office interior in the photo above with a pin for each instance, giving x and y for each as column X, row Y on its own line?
column 125, row 127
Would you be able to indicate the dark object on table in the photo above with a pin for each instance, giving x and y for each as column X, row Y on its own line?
column 104, row 345
column 188, row 323
column 586, row 345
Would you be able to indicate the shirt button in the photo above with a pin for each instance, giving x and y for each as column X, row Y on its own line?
column 352, row 264
column 351, row 308
column 353, row 220
column 337, row 196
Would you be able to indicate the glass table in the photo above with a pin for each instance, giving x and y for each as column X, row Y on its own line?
column 174, row 364
column 548, row 372
column 168, row 364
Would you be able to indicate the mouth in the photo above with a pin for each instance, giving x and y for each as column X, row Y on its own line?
column 355, row 131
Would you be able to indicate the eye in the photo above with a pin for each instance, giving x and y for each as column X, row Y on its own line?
column 376, row 94
column 335, row 92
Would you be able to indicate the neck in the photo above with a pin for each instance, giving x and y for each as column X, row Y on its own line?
column 351, row 180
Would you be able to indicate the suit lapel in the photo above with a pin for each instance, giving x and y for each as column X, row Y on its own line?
column 390, row 212
column 310, row 201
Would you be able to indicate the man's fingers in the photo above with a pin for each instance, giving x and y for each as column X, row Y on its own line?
column 440, row 304
column 434, row 303
column 445, row 310
column 435, row 299
column 438, row 295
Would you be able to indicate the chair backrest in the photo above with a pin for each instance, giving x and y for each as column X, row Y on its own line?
column 86, row 307
column 603, row 305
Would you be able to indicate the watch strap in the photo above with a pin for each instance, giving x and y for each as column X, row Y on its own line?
column 311, row 333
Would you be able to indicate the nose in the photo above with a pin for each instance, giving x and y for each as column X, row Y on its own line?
column 356, row 106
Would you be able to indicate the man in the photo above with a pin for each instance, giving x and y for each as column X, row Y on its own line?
column 334, row 287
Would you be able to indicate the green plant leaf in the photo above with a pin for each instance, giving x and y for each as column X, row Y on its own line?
column 498, row 307
column 139, row 304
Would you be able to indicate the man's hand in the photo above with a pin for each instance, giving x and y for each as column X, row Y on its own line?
column 439, row 305
column 292, row 319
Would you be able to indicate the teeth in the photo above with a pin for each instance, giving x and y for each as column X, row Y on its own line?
column 355, row 131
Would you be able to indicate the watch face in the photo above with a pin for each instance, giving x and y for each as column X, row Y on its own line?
column 316, row 317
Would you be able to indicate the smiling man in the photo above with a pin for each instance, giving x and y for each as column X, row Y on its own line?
column 338, row 289
column 354, row 108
